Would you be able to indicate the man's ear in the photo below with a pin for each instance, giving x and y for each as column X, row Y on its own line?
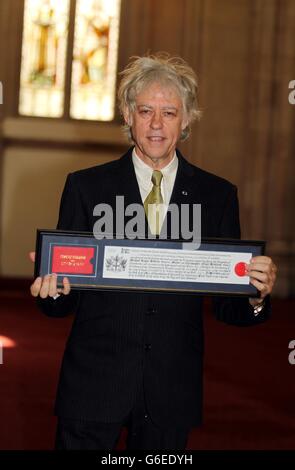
column 184, row 123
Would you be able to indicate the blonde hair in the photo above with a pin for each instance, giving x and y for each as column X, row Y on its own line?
column 161, row 68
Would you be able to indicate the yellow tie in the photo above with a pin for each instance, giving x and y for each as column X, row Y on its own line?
column 152, row 201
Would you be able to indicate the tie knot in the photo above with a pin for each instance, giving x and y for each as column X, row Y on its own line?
column 157, row 177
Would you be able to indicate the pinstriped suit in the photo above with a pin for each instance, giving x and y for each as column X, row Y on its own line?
column 121, row 340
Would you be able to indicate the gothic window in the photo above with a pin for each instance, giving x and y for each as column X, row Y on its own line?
column 48, row 25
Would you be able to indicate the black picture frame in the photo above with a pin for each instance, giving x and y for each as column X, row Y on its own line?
column 90, row 262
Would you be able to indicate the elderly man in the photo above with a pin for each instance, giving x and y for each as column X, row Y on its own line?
column 135, row 359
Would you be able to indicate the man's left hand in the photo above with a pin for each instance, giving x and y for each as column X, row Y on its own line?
column 262, row 273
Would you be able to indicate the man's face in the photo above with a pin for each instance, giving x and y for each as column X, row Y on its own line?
column 156, row 124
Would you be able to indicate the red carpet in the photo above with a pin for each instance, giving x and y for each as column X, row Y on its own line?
column 249, row 383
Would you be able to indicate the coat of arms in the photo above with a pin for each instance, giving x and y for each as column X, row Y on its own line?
column 116, row 263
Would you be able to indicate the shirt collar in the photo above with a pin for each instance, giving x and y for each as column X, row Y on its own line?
column 145, row 171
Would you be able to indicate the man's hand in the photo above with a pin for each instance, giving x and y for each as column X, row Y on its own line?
column 262, row 273
column 47, row 286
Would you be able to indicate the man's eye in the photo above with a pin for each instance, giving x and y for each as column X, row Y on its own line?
column 169, row 114
column 144, row 112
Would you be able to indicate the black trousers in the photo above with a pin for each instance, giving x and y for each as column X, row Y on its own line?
column 143, row 433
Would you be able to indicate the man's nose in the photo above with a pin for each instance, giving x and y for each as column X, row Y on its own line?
column 156, row 121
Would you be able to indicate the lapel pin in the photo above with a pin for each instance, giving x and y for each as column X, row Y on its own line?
column 184, row 193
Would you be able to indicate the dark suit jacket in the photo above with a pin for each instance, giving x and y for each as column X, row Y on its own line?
column 120, row 340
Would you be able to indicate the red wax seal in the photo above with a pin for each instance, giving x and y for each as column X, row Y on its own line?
column 240, row 269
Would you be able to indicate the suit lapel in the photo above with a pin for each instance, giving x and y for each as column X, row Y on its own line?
column 127, row 181
column 184, row 193
column 184, row 190
column 128, row 187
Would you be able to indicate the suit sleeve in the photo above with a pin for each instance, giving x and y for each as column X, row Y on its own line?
column 236, row 310
column 72, row 216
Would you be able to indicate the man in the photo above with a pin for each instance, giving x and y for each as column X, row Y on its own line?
column 136, row 359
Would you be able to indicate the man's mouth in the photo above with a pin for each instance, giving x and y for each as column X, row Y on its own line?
column 156, row 138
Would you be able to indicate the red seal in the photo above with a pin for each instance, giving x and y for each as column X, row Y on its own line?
column 240, row 269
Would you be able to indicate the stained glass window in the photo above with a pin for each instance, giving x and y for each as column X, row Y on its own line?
column 44, row 66
column 95, row 59
column 43, row 62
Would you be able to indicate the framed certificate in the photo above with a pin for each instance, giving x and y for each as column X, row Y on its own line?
column 217, row 267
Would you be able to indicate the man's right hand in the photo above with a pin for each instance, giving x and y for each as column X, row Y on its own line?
column 47, row 286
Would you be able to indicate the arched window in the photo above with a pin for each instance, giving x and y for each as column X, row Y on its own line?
column 69, row 59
